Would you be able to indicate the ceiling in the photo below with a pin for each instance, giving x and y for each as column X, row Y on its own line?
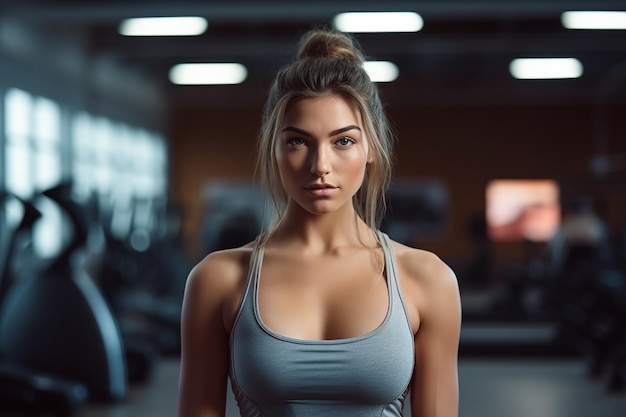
column 461, row 56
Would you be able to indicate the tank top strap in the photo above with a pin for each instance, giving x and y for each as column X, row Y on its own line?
column 256, row 260
column 246, row 304
column 390, row 261
column 393, row 280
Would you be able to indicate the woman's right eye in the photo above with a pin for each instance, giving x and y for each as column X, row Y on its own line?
column 296, row 142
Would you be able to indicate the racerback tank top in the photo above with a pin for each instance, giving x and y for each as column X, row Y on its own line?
column 364, row 376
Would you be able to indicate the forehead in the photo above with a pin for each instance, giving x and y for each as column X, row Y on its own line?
column 330, row 108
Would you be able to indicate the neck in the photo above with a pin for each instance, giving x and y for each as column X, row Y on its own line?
column 324, row 232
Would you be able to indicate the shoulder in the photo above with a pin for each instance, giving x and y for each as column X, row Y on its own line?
column 423, row 267
column 219, row 277
column 223, row 265
column 428, row 282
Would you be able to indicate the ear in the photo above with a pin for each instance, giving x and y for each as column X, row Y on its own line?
column 370, row 157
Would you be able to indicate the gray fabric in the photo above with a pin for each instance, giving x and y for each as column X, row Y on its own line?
column 277, row 376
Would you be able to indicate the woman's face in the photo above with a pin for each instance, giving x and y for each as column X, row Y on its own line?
column 322, row 153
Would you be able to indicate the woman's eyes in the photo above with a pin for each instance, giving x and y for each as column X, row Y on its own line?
column 341, row 142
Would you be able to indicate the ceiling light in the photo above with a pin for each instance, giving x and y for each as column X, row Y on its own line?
column 203, row 73
column 594, row 20
column 546, row 68
column 381, row 71
column 378, row 22
column 163, row 26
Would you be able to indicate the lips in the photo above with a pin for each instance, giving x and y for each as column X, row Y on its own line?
column 321, row 190
column 319, row 186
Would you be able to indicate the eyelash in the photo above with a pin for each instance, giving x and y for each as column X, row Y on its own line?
column 302, row 142
column 351, row 141
column 291, row 142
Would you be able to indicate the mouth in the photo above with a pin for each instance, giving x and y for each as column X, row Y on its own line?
column 314, row 187
column 321, row 190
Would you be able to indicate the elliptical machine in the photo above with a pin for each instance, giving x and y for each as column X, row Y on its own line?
column 22, row 388
column 58, row 322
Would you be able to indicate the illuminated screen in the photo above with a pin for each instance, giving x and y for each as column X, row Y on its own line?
column 522, row 210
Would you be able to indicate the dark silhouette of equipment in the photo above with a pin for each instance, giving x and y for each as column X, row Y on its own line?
column 58, row 322
column 22, row 388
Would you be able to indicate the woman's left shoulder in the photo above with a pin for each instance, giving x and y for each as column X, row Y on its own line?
column 429, row 286
column 423, row 267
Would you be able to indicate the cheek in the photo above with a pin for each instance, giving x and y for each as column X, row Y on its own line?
column 356, row 163
column 288, row 166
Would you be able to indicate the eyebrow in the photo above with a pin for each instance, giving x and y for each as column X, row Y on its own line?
column 332, row 133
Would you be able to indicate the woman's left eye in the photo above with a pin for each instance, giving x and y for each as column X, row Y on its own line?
column 345, row 142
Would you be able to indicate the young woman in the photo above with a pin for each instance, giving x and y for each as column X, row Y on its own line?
column 322, row 315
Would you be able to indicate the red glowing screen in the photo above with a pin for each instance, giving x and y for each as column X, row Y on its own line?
column 520, row 210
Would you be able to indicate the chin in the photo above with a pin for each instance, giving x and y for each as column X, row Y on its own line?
column 324, row 207
column 320, row 210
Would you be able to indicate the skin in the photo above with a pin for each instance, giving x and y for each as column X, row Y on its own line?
column 340, row 290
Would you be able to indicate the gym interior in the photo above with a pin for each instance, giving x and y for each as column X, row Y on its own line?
column 116, row 178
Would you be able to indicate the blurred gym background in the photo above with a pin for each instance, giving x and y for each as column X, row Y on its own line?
column 117, row 176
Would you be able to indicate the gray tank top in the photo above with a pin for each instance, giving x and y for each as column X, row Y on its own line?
column 278, row 376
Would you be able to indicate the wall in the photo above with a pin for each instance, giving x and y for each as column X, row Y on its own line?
column 207, row 145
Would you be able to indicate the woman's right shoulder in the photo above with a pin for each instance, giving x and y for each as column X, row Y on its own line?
column 221, row 272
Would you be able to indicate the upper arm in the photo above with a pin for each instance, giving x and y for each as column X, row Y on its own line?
column 434, row 390
column 204, row 342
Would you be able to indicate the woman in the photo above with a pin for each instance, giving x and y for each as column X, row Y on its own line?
column 322, row 315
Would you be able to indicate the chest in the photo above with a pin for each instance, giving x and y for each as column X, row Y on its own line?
column 322, row 298
column 277, row 372
column 324, row 369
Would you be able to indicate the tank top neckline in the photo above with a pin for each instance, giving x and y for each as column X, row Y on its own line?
column 390, row 279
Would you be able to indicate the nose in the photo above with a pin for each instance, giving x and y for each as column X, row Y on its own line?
column 320, row 165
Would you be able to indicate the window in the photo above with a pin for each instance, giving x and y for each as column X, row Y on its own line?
column 17, row 174
column 33, row 162
column 116, row 159
column 119, row 163
column 116, row 162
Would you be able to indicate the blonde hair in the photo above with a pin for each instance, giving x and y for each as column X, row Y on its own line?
column 329, row 63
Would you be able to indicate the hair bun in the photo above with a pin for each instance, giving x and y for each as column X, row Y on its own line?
column 323, row 44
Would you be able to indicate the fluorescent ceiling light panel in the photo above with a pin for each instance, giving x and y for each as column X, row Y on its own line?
column 208, row 74
column 546, row 68
column 163, row 26
column 355, row 22
column 594, row 20
column 381, row 71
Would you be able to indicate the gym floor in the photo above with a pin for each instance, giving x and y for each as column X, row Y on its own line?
column 488, row 388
